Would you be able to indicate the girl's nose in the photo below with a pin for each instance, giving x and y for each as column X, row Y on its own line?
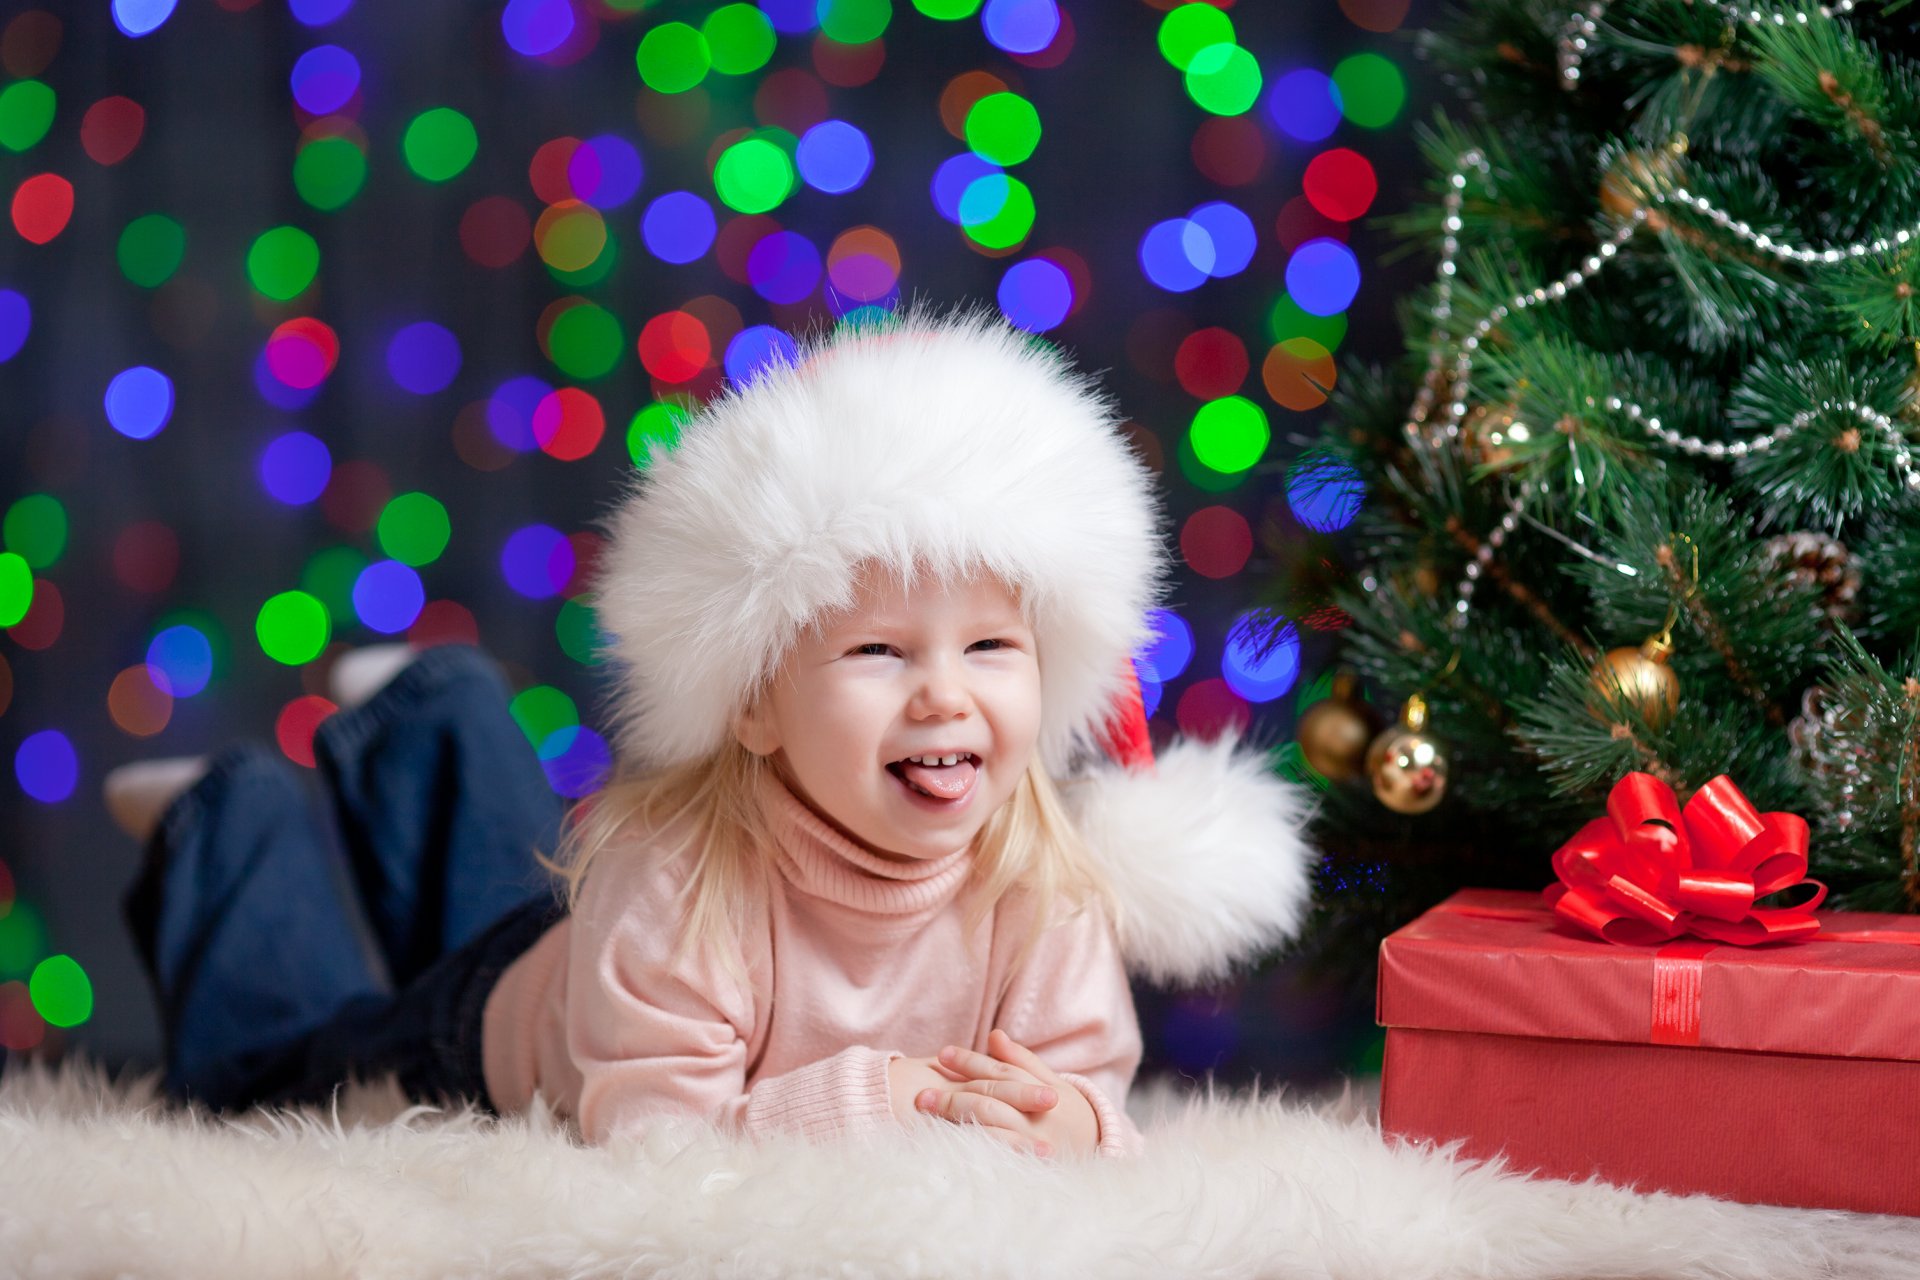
column 942, row 691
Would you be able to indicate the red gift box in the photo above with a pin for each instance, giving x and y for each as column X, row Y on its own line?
column 1780, row 1074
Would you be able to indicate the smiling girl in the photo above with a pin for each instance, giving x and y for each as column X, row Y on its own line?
column 859, row 863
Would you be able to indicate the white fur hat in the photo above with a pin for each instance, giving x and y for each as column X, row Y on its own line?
column 952, row 444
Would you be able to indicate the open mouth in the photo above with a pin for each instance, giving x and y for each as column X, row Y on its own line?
column 938, row 780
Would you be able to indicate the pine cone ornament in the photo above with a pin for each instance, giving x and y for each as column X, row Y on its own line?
column 1807, row 559
column 1826, row 750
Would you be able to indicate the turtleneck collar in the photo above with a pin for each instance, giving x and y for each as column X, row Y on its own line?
column 819, row 861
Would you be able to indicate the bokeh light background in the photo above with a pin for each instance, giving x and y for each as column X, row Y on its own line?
column 325, row 323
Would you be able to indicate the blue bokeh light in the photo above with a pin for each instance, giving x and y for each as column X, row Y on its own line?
column 295, row 468
column 1036, row 294
column 1325, row 493
column 325, row 79
column 318, row 13
column 537, row 561
column 510, row 412
column 576, row 760
column 756, row 347
column 180, row 658
column 16, row 321
column 388, row 596
column 678, row 227
column 1167, row 254
column 1021, row 26
column 1305, row 105
column 141, row 17
column 1323, row 276
column 534, row 27
column 792, row 17
column 953, row 179
column 834, row 157
column 606, row 171
column 46, row 766
column 1231, row 238
column 784, row 267
column 424, row 357
column 1171, row 649
column 139, row 401
column 1260, row 678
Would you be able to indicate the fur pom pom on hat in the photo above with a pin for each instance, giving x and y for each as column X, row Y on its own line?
column 950, row 445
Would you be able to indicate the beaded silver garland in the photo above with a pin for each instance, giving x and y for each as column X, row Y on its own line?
column 1584, row 24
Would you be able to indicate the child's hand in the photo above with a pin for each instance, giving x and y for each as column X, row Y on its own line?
column 929, row 1087
column 1014, row 1072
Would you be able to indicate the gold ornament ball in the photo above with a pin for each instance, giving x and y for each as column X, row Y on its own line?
column 1408, row 770
column 1642, row 679
column 1333, row 734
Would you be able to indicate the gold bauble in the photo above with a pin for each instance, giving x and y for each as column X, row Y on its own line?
column 1407, row 766
column 1334, row 732
column 1641, row 678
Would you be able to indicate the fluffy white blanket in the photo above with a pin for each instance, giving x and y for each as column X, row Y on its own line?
column 97, row 1178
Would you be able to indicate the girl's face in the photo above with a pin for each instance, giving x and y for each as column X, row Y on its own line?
column 945, row 669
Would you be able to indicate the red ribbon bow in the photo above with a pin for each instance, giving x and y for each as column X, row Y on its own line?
column 1649, row 872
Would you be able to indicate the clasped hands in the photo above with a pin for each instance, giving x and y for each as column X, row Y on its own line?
column 1009, row 1092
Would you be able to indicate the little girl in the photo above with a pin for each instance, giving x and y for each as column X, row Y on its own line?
column 872, row 619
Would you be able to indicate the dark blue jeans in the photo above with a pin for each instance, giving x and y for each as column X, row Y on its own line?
column 293, row 944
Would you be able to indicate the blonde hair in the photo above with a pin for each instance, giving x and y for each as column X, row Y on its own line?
column 713, row 804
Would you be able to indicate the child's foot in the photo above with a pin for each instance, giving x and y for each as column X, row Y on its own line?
column 137, row 794
column 361, row 673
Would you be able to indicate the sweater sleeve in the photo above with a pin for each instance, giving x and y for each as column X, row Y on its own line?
column 1070, row 1003
column 652, row 1034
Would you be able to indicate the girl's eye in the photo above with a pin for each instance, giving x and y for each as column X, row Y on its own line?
column 882, row 650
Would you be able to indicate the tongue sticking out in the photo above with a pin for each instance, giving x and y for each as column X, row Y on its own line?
column 947, row 781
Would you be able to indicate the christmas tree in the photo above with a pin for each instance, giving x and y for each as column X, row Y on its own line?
column 1643, row 494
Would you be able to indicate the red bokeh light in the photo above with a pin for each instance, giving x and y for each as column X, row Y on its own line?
column 1341, row 184
column 111, row 129
column 1216, row 542
column 297, row 722
column 1211, row 363
column 42, row 206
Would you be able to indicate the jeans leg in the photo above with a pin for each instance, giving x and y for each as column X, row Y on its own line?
column 428, row 1036
column 442, row 803
column 248, row 924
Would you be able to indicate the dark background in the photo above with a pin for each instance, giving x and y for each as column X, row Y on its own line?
column 221, row 133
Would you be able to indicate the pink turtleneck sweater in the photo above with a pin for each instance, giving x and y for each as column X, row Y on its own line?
column 865, row 961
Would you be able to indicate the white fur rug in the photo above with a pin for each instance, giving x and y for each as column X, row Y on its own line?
column 99, row 1179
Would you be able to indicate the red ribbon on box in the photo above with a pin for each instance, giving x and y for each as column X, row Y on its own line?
column 1650, row 871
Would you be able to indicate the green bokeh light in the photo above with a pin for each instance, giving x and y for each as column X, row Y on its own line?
column 855, row 21
column 1289, row 320
column 1224, row 79
column 292, row 628
column 26, row 113
column 948, row 10
column 23, row 940
column 1229, row 434
column 997, row 211
column 657, row 425
column 673, row 58
column 329, row 172
column 61, row 992
column 753, row 176
column 1003, row 128
column 150, row 250
column 413, row 529
column 1189, row 28
column 542, row 711
column 585, row 341
column 1199, row 474
column 739, row 38
column 440, row 144
column 1372, row 90
column 578, row 630
column 329, row 578
column 36, row 529
column 16, row 588
column 283, row 262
